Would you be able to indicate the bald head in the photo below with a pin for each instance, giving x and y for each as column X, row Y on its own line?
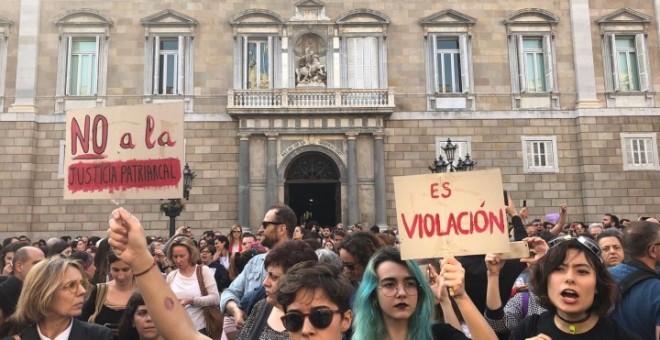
column 24, row 259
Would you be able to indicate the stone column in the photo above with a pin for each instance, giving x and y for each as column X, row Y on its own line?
column 583, row 57
column 27, row 56
column 244, row 180
column 656, row 5
column 353, row 202
column 379, row 179
column 271, row 169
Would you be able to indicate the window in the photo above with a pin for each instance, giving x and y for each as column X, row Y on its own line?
column 258, row 50
column 82, row 59
column 640, row 151
column 449, row 60
column 533, row 66
column 625, row 54
column 363, row 62
column 540, row 154
column 363, row 49
column 448, row 65
column 628, row 62
column 169, row 64
column 532, row 59
column 169, row 57
column 257, row 62
column 82, row 66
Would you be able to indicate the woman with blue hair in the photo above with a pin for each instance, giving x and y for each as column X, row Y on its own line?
column 394, row 301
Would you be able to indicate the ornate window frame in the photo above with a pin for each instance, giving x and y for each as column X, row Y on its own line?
column 83, row 23
column 449, row 24
column 629, row 23
column 258, row 25
column 538, row 24
column 367, row 24
column 169, row 24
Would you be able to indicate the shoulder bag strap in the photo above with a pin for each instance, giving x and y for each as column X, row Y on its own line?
column 200, row 280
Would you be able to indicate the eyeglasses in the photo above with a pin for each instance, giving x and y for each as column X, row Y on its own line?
column 586, row 242
column 320, row 317
column 204, row 252
column 72, row 286
column 391, row 288
column 265, row 224
column 349, row 266
column 537, row 224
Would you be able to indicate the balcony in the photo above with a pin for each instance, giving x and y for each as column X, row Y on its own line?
column 310, row 101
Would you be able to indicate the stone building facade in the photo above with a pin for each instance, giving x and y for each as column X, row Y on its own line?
column 319, row 104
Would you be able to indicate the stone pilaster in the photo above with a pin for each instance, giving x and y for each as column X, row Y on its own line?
column 28, row 51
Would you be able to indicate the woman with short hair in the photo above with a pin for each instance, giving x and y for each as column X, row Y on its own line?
column 184, row 280
column 573, row 284
column 315, row 299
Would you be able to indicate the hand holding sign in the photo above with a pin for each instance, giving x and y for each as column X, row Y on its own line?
column 453, row 274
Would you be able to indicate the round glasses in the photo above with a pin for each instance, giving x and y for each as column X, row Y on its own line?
column 391, row 288
column 72, row 286
column 320, row 317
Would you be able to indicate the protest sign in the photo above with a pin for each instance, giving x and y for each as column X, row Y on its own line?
column 124, row 152
column 457, row 213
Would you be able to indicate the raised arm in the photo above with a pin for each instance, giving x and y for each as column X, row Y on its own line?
column 126, row 236
column 442, row 298
column 563, row 213
column 454, row 274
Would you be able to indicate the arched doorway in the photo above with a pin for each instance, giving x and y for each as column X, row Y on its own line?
column 312, row 188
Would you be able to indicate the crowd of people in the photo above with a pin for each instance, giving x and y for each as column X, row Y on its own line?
column 292, row 281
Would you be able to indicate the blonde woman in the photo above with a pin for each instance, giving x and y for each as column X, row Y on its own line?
column 52, row 296
column 235, row 237
column 184, row 283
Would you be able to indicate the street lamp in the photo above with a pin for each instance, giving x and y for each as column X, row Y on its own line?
column 173, row 207
column 440, row 165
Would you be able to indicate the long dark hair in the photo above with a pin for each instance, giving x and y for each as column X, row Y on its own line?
column 127, row 330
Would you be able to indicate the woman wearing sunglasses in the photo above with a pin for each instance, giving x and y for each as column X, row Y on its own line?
column 264, row 321
column 573, row 284
column 52, row 296
column 394, row 301
column 315, row 298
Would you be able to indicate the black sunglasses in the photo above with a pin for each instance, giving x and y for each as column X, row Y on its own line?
column 265, row 224
column 320, row 317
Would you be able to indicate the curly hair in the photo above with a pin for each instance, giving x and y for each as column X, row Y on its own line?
column 369, row 322
column 555, row 257
column 361, row 244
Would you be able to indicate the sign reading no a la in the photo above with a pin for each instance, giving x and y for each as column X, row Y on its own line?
column 124, row 152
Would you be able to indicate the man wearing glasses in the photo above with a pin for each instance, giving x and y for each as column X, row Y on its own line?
column 638, row 308
column 278, row 226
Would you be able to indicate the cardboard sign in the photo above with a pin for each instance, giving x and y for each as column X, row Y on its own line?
column 124, row 152
column 458, row 213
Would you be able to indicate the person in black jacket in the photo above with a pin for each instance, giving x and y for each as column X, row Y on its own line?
column 53, row 295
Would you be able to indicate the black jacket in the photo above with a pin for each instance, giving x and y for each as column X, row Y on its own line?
column 79, row 331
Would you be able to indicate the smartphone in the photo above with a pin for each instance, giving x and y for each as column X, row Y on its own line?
column 524, row 203
column 517, row 250
column 506, row 198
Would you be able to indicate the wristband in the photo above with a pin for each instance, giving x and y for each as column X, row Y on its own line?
column 146, row 271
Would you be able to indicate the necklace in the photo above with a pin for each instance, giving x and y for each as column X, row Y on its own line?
column 571, row 323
